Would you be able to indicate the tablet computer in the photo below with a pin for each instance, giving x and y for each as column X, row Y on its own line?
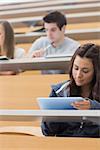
column 57, row 103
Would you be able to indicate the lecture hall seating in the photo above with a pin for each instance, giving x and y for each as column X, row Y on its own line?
column 83, row 24
column 27, row 87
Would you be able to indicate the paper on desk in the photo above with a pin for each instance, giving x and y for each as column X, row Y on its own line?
column 35, row 131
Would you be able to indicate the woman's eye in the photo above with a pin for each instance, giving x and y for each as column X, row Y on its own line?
column 85, row 71
column 75, row 68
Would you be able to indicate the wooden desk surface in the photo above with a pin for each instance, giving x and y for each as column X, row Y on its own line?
column 21, row 91
column 25, row 142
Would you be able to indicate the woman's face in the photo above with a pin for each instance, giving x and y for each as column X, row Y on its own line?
column 2, row 35
column 82, row 71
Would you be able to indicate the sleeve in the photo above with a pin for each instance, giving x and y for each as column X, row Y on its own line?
column 95, row 104
column 47, row 130
column 55, row 88
column 19, row 53
column 53, row 94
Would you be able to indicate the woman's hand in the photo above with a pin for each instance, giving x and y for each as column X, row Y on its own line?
column 82, row 105
column 6, row 73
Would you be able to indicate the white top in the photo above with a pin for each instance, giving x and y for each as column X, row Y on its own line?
column 19, row 53
column 67, row 47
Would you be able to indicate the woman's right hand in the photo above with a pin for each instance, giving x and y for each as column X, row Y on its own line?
column 82, row 105
column 6, row 73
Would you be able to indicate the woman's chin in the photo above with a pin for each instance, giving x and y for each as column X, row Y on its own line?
column 79, row 84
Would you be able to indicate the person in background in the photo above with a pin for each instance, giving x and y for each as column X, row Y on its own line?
column 55, row 43
column 84, row 82
column 7, row 44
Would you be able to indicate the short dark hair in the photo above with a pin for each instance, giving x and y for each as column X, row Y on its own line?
column 90, row 51
column 56, row 17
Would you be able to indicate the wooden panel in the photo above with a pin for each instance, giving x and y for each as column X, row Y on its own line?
column 33, row 72
column 20, row 92
column 44, row 3
column 83, row 25
column 95, row 41
column 19, row 142
column 78, row 34
column 71, row 18
column 68, row 27
column 44, row 10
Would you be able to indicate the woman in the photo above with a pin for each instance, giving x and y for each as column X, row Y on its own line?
column 84, row 82
column 7, row 44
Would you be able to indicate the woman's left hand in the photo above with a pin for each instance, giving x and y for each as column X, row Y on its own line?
column 82, row 105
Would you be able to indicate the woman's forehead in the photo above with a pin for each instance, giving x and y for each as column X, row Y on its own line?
column 83, row 61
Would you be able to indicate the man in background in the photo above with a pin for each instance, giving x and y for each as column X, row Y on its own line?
column 55, row 43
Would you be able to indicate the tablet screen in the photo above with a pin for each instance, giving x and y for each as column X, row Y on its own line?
column 57, row 103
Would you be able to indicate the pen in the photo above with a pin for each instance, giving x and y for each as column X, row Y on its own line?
column 46, row 48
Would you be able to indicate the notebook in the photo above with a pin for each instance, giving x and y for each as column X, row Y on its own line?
column 57, row 103
column 4, row 58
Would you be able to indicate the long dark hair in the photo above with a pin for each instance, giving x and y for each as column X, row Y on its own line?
column 8, row 45
column 92, row 52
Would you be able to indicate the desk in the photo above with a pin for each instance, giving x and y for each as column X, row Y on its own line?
column 78, row 34
column 24, row 99
column 44, row 3
column 50, row 115
column 9, row 142
column 25, row 142
column 43, row 10
column 21, row 91
column 35, row 64
column 72, row 18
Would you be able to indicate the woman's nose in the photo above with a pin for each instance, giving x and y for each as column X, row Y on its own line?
column 79, row 74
